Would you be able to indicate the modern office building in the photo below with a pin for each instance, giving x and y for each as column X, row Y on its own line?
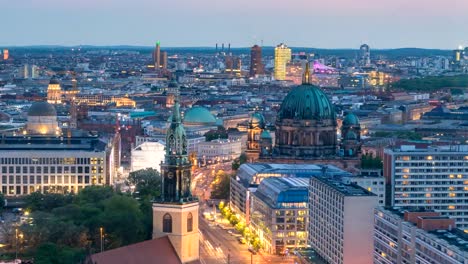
column 282, row 58
column 256, row 64
column 341, row 221
column 148, row 155
column 417, row 237
column 433, row 178
column 364, row 55
column 280, row 214
column 250, row 175
column 43, row 157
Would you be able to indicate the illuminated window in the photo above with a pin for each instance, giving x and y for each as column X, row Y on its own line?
column 406, row 158
column 406, row 170
column 452, row 195
column 451, row 176
column 451, row 188
column 429, row 157
column 451, row 207
column 428, row 195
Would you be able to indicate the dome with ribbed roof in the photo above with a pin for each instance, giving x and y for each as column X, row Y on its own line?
column 306, row 102
column 42, row 109
column 257, row 120
column 351, row 136
column 199, row 115
column 351, row 120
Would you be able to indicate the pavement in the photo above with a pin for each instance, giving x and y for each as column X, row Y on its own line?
column 217, row 246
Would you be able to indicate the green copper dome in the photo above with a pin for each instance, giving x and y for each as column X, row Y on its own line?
column 351, row 135
column 198, row 115
column 265, row 135
column 306, row 102
column 351, row 120
column 42, row 109
column 257, row 120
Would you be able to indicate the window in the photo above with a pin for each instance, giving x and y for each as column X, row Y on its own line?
column 167, row 223
column 189, row 222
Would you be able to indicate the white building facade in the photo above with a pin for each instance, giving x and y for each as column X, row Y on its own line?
column 148, row 155
column 341, row 221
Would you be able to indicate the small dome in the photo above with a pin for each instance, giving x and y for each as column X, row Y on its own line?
column 351, row 135
column 42, row 109
column 265, row 135
column 306, row 102
column 351, row 120
column 257, row 120
column 198, row 115
column 54, row 81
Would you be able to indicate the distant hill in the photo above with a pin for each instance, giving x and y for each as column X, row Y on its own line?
column 267, row 50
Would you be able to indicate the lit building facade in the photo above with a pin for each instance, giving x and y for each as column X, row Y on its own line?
column 54, row 92
column 219, row 150
column 417, row 237
column 282, row 58
column 250, row 175
column 43, row 158
column 434, row 178
column 280, row 214
column 341, row 221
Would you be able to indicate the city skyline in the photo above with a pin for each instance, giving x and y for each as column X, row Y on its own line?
column 333, row 24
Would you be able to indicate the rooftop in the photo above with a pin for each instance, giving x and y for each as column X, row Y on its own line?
column 274, row 191
column 252, row 173
column 344, row 188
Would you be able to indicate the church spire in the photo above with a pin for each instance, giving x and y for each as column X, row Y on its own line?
column 306, row 74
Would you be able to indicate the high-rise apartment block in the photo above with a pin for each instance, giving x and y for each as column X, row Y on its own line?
column 282, row 58
column 256, row 64
column 433, row 178
column 341, row 221
column 417, row 237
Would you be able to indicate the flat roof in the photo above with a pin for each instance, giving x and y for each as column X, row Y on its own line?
column 344, row 188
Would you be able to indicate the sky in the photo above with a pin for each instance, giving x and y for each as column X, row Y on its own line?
column 189, row 23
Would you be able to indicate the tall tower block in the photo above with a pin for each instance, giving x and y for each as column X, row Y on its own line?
column 157, row 55
column 175, row 214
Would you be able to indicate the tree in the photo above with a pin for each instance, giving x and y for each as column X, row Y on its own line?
column 239, row 161
column 147, row 182
column 47, row 202
column 50, row 253
column 221, row 186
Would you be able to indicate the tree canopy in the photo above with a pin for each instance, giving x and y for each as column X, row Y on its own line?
column 432, row 83
column 147, row 182
column 67, row 227
column 221, row 186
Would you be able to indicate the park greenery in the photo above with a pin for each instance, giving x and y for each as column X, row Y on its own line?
column 252, row 238
column 431, row 83
column 65, row 228
column 368, row 161
column 239, row 161
column 219, row 133
column 410, row 135
column 221, row 185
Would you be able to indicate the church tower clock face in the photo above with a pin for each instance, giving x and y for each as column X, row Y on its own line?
column 170, row 175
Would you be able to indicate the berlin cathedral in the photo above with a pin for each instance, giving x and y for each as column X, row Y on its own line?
column 306, row 132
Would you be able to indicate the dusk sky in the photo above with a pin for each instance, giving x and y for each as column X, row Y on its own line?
column 305, row 23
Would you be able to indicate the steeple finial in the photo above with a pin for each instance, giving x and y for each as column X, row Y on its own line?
column 306, row 75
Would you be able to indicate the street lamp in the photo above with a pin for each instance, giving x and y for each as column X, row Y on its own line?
column 16, row 243
column 101, row 231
